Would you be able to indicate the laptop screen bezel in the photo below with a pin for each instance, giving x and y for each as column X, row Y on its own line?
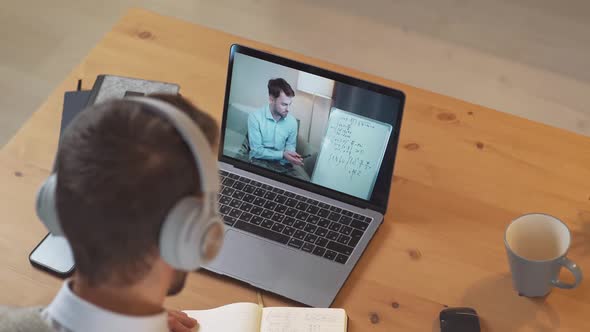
column 377, row 202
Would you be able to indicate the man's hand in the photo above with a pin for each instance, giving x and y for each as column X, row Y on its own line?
column 179, row 321
column 293, row 157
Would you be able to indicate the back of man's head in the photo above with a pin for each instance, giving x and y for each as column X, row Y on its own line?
column 121, row 168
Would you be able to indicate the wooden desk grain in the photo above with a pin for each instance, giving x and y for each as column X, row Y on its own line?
column 463, row 172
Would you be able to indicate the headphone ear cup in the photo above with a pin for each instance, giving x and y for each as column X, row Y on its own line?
column 45, row 206
column 179, row 237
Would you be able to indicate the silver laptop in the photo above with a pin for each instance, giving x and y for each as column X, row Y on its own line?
column 306, row 162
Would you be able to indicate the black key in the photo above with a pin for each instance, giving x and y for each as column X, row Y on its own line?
column 257, row 220
column 246, row 207
column 295, row 243
column 358, row 225
column 246, row 217
column 288, row 231
column 246, row 181
column 281, row 208
column 257, row 210
column 343, row 239
column 267, row 223
column 341, row 258
column 233, row 176
column 346, row 230
column 334, row 227
column 368, row 220
column 301, row 206
column 330, row 255
column 256, row 184
column 323, row 205
column 249, row 198
column 224, row 209
column 313, row 219
column 323, row 213
column 313, row 202
column 291, row 212
column 270, row 205
column 345, row 220
column 270, row 195
column 289, row 221
column 235, row 203
column 318, row 251
column 277, row 217
column 312, row 209
column 235, row 213
column 229, row 182
column 239, row 185
column 224, row 199
column 290, row 202
column 302, row 215
column 267, row 213
column 310, row 228
column 311, row 238
column 238, row 194
column 267, row 187
column 278, row 227
column 228, row 191
column 332, row 235
column 324, row 223
column 299, row 235
column 355, row 237
column 299, row 197
column 280, row 199
column 249, row 189
column 335, row 209
column 307, row 247
column 277, row 190
column 289, row 194
column 346, row 250
column 321, row 232
column 224, row 173
column 347, row 213
column 321, row 242
column 229, row 220
column 299, row 224
column 265, row 233
column 259, row 192
column 259, row 201
column 357, row 216
column 334, row 216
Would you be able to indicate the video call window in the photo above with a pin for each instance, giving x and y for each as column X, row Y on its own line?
column 307, row 127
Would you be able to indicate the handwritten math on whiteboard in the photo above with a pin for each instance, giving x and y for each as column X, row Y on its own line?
column 351, row 153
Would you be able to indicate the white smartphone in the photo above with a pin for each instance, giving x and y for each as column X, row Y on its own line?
column 54, row 255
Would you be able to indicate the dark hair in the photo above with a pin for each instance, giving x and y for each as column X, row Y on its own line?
column 120, row 170
column 276, row 85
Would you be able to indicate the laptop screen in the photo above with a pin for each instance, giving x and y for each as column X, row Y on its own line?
column 310, row 126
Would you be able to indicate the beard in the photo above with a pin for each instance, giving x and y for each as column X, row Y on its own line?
column 178, row 282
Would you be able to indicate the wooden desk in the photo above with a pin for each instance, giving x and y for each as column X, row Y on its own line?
column 462, row 173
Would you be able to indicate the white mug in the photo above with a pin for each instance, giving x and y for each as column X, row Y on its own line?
column 537, row 245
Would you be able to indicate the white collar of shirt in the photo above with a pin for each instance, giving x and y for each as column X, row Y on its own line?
column 76, row 314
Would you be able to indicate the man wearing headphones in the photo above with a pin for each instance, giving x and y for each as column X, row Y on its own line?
column 135, row 193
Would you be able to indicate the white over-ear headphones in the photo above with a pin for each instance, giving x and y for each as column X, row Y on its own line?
column 193, row 230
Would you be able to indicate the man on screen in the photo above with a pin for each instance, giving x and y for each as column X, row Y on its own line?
column 272, row 131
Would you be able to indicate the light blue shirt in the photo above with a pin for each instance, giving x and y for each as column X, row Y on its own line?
column 269, row 138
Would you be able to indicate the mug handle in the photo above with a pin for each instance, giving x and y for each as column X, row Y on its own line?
column 574, row 269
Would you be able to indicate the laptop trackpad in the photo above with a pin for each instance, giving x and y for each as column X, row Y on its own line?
column 249, row 258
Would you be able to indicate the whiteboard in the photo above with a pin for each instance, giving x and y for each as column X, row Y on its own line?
column 351, row 153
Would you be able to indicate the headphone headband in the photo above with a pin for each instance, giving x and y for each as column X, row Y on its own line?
column 194, row 139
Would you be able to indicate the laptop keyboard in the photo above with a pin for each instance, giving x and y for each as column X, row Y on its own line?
column 281, row 216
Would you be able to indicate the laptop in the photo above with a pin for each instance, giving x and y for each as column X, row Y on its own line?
column 298, row 229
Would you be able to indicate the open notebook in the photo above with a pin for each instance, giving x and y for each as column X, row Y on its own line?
column 250, row 317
